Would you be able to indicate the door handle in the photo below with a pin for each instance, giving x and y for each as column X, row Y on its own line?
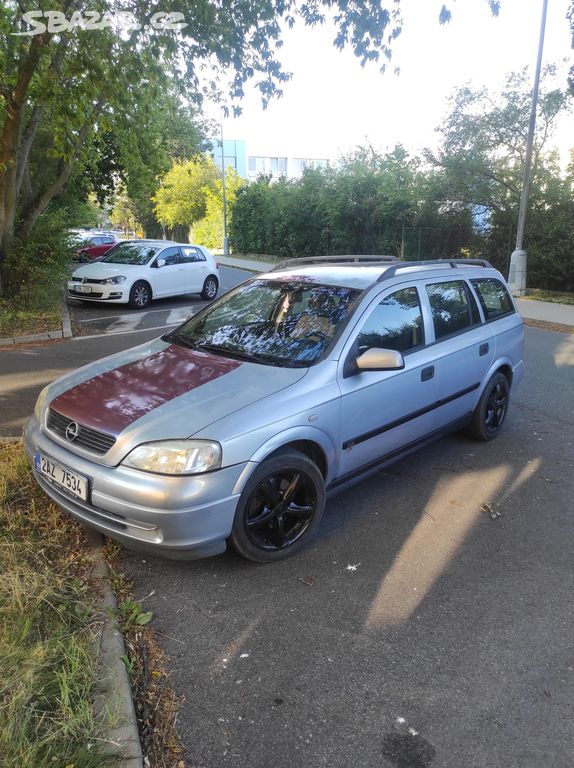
column 483, row 349
column 427, row 373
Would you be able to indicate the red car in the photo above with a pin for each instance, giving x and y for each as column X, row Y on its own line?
column 95, row 246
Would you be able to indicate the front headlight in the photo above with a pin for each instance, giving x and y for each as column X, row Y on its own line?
column 40, row 403
column 175, row 457
column 115, row 280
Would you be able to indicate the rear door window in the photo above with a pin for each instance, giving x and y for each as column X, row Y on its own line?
column 453, row 308
column 190, row 255
column 493, row 296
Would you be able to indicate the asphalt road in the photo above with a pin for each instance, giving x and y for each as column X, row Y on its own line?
column 429, row 624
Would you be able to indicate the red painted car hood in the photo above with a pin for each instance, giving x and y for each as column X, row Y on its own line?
column 163, row 391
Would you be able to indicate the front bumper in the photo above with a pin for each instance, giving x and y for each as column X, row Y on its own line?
column 98, row 291
column 177, row 517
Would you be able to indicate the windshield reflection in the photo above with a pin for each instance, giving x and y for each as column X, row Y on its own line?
column 130, row 253
column 271, row 322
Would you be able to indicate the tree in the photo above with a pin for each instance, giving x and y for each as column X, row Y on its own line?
column 182, row 196
column 209, row 230
column 124, row 214
column 484, row 138
column 59, row 86
column 480, row 165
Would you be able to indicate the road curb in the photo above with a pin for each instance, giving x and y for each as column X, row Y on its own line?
column 114, row 698
column 66, row 322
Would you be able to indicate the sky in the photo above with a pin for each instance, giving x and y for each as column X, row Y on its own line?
column 332, row 104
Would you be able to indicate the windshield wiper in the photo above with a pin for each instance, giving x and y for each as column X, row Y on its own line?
column 177, row 338
column 239, row 355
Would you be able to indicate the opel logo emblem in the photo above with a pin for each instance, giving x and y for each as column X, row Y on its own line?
column 72, row 431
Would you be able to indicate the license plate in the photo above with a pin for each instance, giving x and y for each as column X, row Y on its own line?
column 83, row 288
column 70, row 482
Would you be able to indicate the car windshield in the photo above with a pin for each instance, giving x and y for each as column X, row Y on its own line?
column 131, row 253
column 272, row 322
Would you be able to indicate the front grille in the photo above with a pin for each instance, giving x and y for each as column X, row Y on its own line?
column 90, row 280
column 91, row 295
column 90, row 439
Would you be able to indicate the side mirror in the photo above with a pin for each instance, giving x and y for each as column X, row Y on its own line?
column 376, row 359
column 160, row 263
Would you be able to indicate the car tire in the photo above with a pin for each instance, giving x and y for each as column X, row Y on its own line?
column 279, row 509
column 83, row 257
column 210, row 287
column 140, row 295
column 490, row 413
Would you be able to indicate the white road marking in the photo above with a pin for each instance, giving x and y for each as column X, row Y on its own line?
column 178, row 315
column 125, row 323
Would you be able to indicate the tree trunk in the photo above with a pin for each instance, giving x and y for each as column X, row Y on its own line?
column 38, row 205
column 9, row 143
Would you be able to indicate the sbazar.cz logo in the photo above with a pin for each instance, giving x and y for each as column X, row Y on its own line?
column 56, row 22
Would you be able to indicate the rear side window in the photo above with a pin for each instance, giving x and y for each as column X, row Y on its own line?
column 453, row 308
column 190, row 255
column 493, row 297
column 396, row 323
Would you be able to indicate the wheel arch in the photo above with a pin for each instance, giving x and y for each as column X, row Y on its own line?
column 142, row 280
column 501, row 365
column 506, row 369
column 313, row 443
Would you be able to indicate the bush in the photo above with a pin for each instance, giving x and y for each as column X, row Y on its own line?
column 38, row 262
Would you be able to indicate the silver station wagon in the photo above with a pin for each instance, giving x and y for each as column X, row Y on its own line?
column 233, row 427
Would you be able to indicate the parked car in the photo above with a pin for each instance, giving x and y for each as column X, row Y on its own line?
column 233, row 427
column 136, row 271
column 94, row 246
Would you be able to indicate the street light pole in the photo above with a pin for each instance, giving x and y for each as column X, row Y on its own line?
column 518, row 260
column 225, row 240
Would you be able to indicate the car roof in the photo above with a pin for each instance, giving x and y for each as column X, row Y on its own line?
column 363, row 271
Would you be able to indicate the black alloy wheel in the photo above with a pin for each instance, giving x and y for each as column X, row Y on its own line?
column 492, row 408
column 279, row 509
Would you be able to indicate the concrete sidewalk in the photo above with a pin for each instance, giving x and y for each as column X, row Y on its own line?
column 250, row 264
column 547, row 311
column 530, row 309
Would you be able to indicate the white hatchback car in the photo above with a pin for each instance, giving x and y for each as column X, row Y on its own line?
column 136, row 271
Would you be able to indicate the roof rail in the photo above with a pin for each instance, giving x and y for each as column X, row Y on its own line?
column 344, row 259
column 453, row 263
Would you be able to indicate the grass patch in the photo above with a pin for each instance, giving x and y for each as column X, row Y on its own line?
column 558, row 297
column 35, row 310
column 48, row 643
